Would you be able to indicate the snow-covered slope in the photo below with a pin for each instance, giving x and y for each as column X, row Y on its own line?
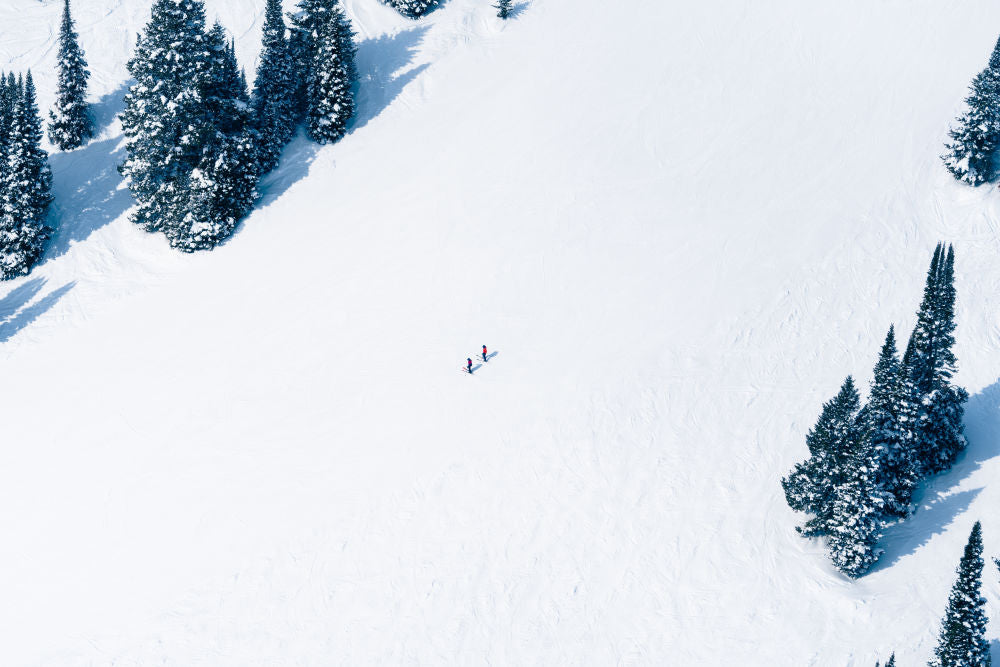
column 678, row 224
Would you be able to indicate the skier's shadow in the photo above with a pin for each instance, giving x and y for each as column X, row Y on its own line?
column 475, row 368
column 491, row 355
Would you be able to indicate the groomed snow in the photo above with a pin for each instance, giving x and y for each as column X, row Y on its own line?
column 679, row 224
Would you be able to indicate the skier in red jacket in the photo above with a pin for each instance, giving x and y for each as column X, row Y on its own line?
column 484, row 353
column 468, row 365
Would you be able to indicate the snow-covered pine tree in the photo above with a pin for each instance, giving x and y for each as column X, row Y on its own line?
column 305, row 25
column 504, row 8
column 412, row 8
column 890, row 663
column 962, row 640
column 330, row 94
column 71, row 123
column 971, row 153
column 323, row 49
column 811, row 486
column 274, row 89
column 166, row 121
column 26, row 188
column 7, row 101
column 932, row 365
column 855, row 523
column 891, row 415
column 223, row 185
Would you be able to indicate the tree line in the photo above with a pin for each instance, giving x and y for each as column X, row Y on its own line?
column 197, row 139
column 865, row 461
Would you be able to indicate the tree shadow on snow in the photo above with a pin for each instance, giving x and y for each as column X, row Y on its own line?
column 982, row 431
column 517, row 10
column 380, row 61
column 89, row 192
column 17, row 310
column 296, row 159
column 105, row 110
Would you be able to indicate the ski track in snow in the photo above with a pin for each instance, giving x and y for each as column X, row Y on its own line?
column 682, row 225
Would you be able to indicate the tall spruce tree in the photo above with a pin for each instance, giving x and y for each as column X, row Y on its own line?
column 504, row 8
column 812, row 485
column 932, row 364
column 26, row 188
column 322, row 44
column 222, row 188
column 165, row 119
column 970, row 155
column 330, row 94
column 71, row 123
column 306, row 24
column 412, row 8
column 891, row 415
column 855, row 524
column 962, row 641
column 274, row 89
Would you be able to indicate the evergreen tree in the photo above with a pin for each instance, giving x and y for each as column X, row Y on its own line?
column 306, row 25
column 891, row 416
column 971, row 153
column 890, row 663
column 274, row 89
column 412, row 8
column 8, row 99
column 223, row 185
column 71, row 123
column 330, row 94
column 855, row 523
column 962, row 640
column 812, row 485
column 165, row 119
column 26, row 188
column 504, row 8
column 932, row 364
column 322, row 45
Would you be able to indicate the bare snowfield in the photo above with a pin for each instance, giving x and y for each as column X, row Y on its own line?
column 679, row 224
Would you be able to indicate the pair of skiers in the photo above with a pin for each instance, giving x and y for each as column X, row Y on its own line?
column 468, row 362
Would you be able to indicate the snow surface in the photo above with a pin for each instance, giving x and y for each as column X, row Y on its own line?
column 679, row 225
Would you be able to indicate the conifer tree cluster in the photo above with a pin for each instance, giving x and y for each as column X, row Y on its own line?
column 25, row 178
column 971, row 154
column 413, row 9
column 865, row 462
column 197, row 141
column 70, row 123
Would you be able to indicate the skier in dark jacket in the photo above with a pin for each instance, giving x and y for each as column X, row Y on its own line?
column 484, row 353
column 468, row 365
